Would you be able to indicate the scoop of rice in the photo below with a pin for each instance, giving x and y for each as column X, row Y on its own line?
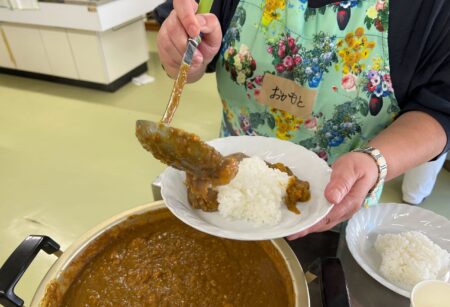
column 410, row 257
column 255, row 193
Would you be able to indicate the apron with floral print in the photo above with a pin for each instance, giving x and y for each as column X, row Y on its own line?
column 339, row 50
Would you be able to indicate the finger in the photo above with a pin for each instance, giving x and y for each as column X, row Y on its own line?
column 185, row 10
column 176, row 34
column 168, row 54
column 212, row 38
column 210, row 27
column 341, row 181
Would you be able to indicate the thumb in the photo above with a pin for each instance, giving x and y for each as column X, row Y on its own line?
column 341, row 182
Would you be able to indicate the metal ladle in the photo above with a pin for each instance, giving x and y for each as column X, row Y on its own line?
column 177, row 148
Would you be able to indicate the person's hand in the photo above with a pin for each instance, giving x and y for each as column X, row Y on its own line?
column 353, row 175
column 173, row 35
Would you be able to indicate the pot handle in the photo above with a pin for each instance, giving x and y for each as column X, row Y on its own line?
column 14, row 267
column 333, row 285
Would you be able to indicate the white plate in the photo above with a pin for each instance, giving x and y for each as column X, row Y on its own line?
column 364, row 226
column 305, row 164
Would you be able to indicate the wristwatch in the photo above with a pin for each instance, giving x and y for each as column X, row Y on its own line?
column 375, row 192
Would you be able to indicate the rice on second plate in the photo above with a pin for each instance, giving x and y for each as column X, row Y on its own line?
column 410, row 257
column 255, row 194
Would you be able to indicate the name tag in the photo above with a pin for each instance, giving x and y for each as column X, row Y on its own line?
column 286, row 95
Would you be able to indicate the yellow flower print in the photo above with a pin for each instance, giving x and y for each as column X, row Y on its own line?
column 365, row 53
column 359, row 32
column 340, row 43
column 356, row 48
column 345, row 69
column 377, row 63
column 356, row 68
column 372, row 12
column 356, row 44
column 285, row 123
column 270, row 11
column 349, row 37
column 351, row 43
column 227, row 111
column 370, row 45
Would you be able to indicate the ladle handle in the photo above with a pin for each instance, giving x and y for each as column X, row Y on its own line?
column 14, row 267
column 333, row 285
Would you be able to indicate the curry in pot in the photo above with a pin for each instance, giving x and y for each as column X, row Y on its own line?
column 164, row 262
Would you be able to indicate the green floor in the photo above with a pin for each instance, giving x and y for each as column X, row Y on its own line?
column 69, row 158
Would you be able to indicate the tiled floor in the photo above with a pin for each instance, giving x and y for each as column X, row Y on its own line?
column 69, row 158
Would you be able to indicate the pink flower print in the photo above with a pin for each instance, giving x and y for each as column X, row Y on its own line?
column 297, row 59
column 380, row 5
column 375, row 80
column 371, row 87
column 311, row 123
column 291, row 42
column 270, row 50
column 388, row 81
column 259, row 79
column 257, row 92
column 349, row 82
column 280, row 68
column 253, row 64
column 282, row 51
column 288, row 62
column 249, row 85
column 294, row 50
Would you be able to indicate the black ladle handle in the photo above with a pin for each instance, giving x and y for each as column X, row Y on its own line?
column 18, row 262
column 333, row 285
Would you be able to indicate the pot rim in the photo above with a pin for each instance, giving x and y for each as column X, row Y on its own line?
column 55, row 272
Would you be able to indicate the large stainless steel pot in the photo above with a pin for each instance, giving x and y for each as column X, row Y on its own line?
column 58, row 275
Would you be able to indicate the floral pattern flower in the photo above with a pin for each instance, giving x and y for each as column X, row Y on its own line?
column 354, row 48
column 240, row 64
column 305, row 66
column 271, row 11
column 285, row 123
column 349, row 82
column 378, row 16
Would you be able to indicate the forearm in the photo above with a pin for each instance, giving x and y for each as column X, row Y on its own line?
column 412, row 139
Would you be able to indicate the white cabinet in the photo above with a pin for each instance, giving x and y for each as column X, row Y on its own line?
column 103, row 45
column 27, row 48
column 124, row 47
column 6, row 55
column 87, row 53
column 59, row 52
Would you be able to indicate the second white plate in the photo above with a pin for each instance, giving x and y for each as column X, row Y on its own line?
column 364, row 227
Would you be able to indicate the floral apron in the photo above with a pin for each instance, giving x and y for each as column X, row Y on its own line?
column 338, row 51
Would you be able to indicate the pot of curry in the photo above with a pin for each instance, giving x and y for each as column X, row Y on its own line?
column 147, row 257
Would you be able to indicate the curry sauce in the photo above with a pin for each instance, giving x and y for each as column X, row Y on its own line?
column 167, row 263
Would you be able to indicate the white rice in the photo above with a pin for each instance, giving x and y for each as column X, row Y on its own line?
column 410, row 257
column 255, row 194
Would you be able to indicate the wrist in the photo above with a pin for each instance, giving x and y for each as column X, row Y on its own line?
column 379, row 163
